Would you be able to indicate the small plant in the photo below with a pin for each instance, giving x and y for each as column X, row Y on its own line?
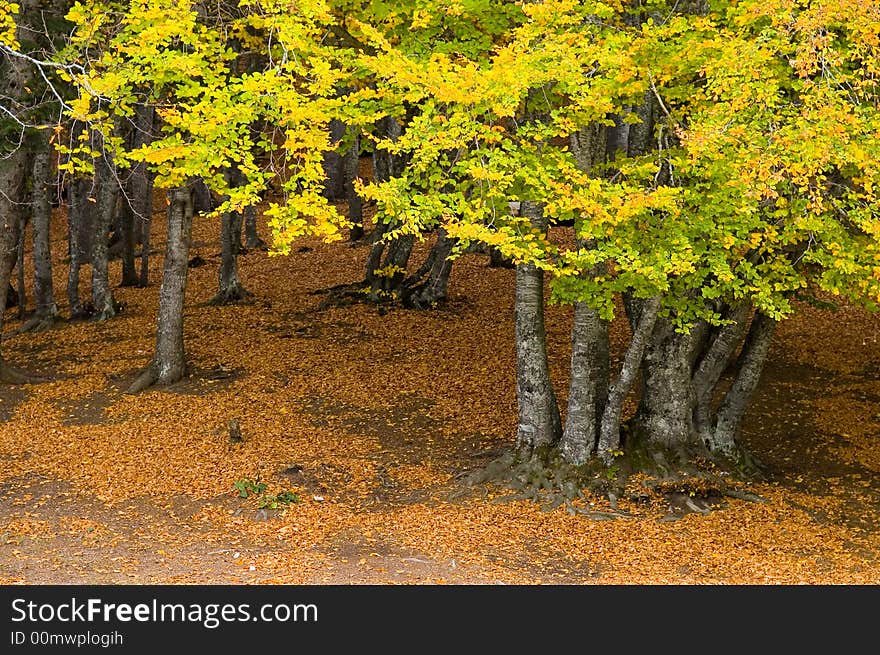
column 246, row 486
column 275, row 501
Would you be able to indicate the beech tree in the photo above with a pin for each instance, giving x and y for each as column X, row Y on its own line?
column 717, row 161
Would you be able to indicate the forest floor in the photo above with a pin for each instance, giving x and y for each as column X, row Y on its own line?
column 371, row 418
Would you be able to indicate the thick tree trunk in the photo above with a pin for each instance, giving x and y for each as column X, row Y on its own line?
column 665, row 415
column 751, row 363
column 108, row 196
column 588, row 389
column 169, row 363
column 539, row 421
column 609, row 431
column 41, row 204
column 386, row 283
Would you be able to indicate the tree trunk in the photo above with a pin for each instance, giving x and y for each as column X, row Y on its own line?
column 609, row 431
column 588, row 389
column 77, row 194
column 424, row 294
column 588, row 386
column 539, row 421
column 203, row 201
column 12, row 180
column 751, row 363
column 127, row 220
column 334, row 165
column 108, row 196
column 21, row 230
column 251, row 236
column 230, row 288
column 712, row 365
column 169, row 363
column 350, row 164
column 44, row 296
column 665, row 415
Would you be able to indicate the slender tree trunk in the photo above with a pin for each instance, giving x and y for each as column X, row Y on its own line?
column 108, row 196
column 350, row 165
column 251, row 235
column 203, row 202
column 751, row 363
column 21, row 219
column 77, row 194
column 588, row 389
column 169, row 363
column 334, row 165
column 609, row 431
column 44, row 295
column 12, row 180
column 130, row 276
column 588, row 386
column 712, row 365
column 230, row 288
column 437, row 267
column 539, row 421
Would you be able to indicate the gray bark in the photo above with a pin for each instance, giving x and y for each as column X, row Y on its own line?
column 713, row 364
column 437, row 267
column 609, row 431
column 41, row 213
column 12, row 179
column 77, row 193
column 539, row 421
column 588, row 385
column 588, row 388
column 252, row 240
column 351, row 162
column 334, row 164
column 230, row 288
column 169, row 363
column 751, row 363
column 19, row 262
column 665, row 415
column 108, row 196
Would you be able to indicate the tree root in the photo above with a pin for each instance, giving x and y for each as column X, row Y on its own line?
column 677, row 477
column 146, row 379
column 234, row 294
column 11, row 375
column 108, row 312
column 39, row 323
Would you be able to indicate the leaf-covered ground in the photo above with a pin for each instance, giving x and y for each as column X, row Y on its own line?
column 371, row 418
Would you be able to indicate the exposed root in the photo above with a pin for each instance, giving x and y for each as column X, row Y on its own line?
column 234, row 294
column 108, row 312
column 11, row 375
column 683, row 480
column 146, row 379
column 39, row 323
